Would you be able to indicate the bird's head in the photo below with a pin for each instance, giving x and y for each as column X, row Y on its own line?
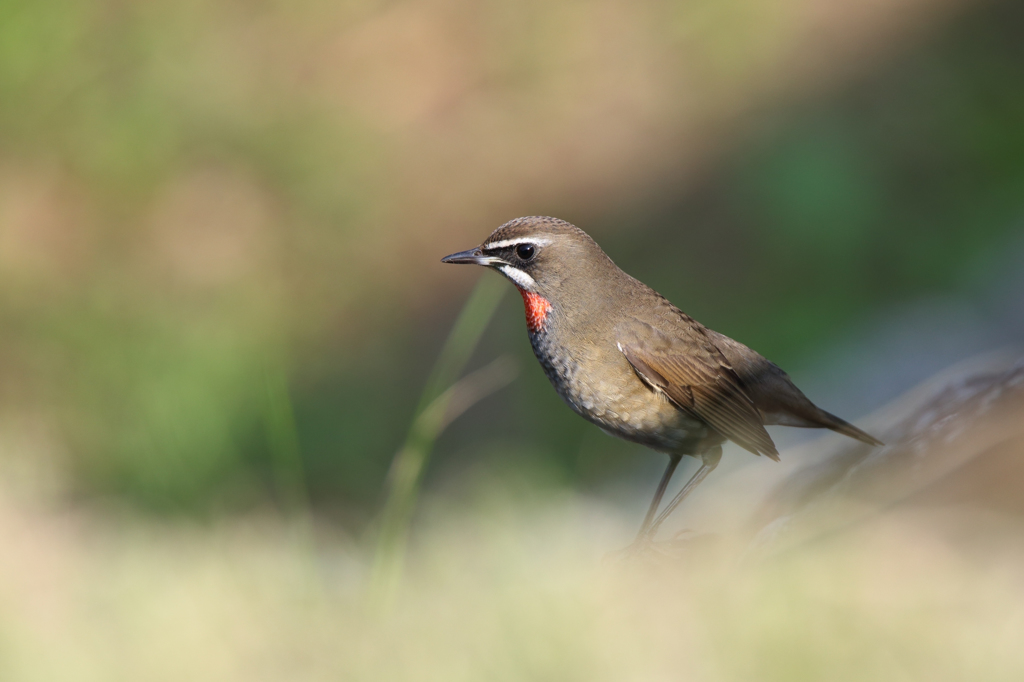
column 536, row 253
column 546, row 258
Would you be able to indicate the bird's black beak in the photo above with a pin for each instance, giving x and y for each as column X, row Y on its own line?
column 474, row 256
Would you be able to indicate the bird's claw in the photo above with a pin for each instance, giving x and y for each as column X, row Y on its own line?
column 648, row 550
column 640, row 549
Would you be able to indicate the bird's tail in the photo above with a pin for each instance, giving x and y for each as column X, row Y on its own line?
column 830, row 421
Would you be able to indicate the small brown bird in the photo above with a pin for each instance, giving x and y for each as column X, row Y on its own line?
column 626, row 359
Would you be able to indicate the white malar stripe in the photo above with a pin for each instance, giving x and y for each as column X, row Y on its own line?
column 523, row 280
column 537, row 241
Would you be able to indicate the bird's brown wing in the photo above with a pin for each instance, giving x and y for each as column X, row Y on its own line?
column 697, row 378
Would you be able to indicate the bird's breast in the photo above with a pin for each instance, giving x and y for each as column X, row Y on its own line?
column 599, row 384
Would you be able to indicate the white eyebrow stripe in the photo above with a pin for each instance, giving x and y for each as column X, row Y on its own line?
column 519, row 277
column 538, row 241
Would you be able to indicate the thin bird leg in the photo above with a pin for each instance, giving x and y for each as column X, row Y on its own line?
column 709, row 460
column 673, row 462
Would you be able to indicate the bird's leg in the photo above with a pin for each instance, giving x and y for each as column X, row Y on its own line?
column 673, row 462
column 639, row 545
column 709, row 460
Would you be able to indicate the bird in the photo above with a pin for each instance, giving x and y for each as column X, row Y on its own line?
column 626, row 359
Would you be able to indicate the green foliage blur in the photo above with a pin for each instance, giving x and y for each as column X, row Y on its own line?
column 220, row 222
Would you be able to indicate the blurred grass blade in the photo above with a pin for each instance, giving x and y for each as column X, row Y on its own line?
column 433, row 413
column 407, row 468
column 283, row 442
column 287, row 468
column 463, row 338
column 470, row 390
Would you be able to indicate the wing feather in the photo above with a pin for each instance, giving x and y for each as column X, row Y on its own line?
column 698, row 380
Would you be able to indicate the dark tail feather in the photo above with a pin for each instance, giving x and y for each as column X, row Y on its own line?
column 830, row 421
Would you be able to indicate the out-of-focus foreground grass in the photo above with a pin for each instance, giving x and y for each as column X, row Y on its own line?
column 514, row 591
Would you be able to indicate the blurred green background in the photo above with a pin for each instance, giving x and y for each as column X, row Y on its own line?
column 221, row 219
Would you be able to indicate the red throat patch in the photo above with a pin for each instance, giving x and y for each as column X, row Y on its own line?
column 537, row 309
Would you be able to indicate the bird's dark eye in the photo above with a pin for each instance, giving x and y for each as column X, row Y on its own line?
column 525, row 251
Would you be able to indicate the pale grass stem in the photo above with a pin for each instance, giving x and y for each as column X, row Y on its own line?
column 443, row 399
